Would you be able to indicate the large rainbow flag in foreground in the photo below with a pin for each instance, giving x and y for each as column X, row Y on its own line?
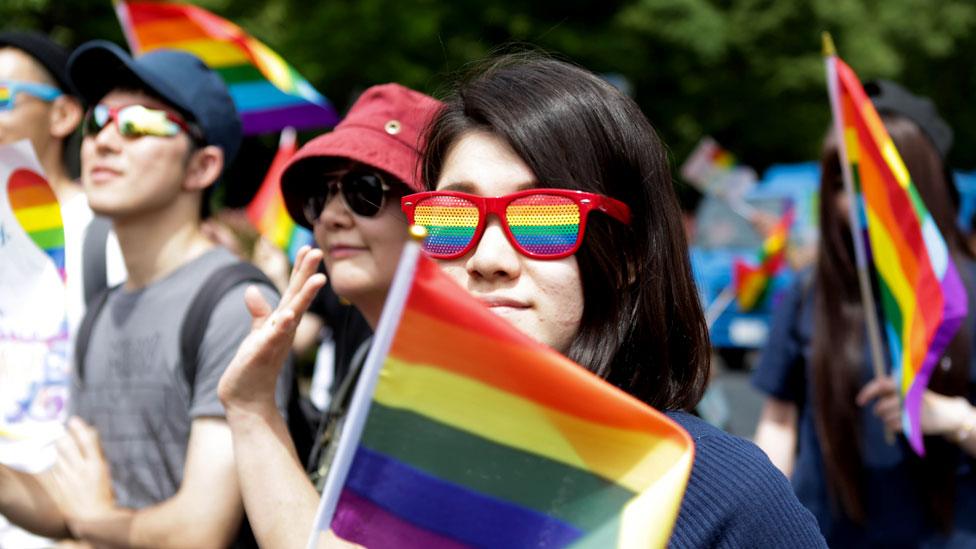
column 478, row 436
column 267, row 209
column 752, row 282
column 922, row 296
column 269, row 94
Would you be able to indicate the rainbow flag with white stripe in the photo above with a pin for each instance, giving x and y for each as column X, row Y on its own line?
column 269, row 94
column 478, row 436
column 922, row 297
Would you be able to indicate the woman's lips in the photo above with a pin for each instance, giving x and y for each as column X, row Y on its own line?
column 100, row 174
column 500, row 303
column 341, row 251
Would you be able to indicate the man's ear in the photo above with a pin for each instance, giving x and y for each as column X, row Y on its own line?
column 203, row 168
column 66, row 113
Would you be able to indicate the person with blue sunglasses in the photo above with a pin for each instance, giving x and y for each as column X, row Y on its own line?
column 38, row 105
column 149, row 460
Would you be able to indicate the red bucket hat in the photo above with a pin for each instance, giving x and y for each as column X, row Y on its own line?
column 381, row 130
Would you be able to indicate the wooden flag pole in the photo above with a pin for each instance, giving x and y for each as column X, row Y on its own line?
column 355, row 419
column 860, row 254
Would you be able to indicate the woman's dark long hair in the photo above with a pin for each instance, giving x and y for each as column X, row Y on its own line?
column 642, row 327
column 838, row 340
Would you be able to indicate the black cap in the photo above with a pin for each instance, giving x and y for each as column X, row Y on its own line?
column 889, row 97
column 178, row 78
column 51, row 55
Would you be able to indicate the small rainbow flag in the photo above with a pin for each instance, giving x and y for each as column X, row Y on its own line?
column 267, row 210
column 36, row 209
column 478, row 436
column 269, row 94
column 708, row 165
column 922, row 297
column 752, row 282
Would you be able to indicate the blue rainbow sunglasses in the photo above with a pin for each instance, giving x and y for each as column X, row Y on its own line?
column 10, row 88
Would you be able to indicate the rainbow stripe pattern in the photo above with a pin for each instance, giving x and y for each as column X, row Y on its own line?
column 923, row 299
column 451, row 224
column 269, row 94
column 544, row 224
column 752, row 282
column 36, row 208
column 540, row 224
column 267, row 209
column 478, row 436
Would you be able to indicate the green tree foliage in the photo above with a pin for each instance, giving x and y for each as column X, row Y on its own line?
column 748, row 72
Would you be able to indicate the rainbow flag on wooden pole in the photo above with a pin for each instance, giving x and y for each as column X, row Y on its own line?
column 267, row 209
column 464, row 432
column 922, row 297
column 269, row 94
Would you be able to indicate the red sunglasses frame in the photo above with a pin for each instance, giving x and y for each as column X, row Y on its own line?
column 113, row 116
column 496, row 205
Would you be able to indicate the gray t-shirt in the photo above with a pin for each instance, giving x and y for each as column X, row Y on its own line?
column 134, row 390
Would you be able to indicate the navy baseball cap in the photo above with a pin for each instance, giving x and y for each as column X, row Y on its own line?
column 889, row 97
column 178, row 78
column 51, row 55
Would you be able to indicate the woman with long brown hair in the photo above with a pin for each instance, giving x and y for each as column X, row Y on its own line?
column 825, row 418
column 616, row 295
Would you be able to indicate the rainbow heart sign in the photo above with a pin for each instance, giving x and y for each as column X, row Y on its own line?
column 36, row 209
column 32, row 268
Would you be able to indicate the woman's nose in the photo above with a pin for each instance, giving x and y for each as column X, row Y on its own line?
column 494, row 257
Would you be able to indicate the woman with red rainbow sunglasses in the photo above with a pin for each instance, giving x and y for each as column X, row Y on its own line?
column 551, row 201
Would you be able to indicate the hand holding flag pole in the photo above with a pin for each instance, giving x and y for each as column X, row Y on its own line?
column 923, row 300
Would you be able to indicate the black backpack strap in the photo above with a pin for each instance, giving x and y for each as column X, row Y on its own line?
column 83, row 336
column 94, row 273
column 204, row 302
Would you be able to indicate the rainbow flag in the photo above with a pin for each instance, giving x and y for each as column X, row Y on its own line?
column 478, row 436
column 36, row 208
column 922, row 297
column 752, row 282
column 269, row 94
column 267, row 209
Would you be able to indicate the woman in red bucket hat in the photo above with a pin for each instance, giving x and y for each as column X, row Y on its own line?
column 346, row 187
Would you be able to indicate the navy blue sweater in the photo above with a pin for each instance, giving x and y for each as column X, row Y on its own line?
column 736, row 497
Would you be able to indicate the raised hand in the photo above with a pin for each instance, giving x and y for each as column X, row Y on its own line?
column 249, row 381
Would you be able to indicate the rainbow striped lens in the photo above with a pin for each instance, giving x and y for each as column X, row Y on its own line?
column 6, row 98
column 544, row 225
column 451, row 223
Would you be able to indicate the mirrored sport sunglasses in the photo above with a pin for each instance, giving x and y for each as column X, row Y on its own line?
column 540, row 223
column 10, row 88
column 138, row 121
column 364, row 192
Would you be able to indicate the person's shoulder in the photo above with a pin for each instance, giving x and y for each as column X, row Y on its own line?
column 715, row 448
column 736, row 497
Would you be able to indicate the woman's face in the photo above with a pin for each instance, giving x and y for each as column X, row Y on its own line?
column 361, row 253
column 542, row 298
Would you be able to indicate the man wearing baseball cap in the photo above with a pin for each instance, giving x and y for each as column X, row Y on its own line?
column 149, row 460
column 38, row 104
